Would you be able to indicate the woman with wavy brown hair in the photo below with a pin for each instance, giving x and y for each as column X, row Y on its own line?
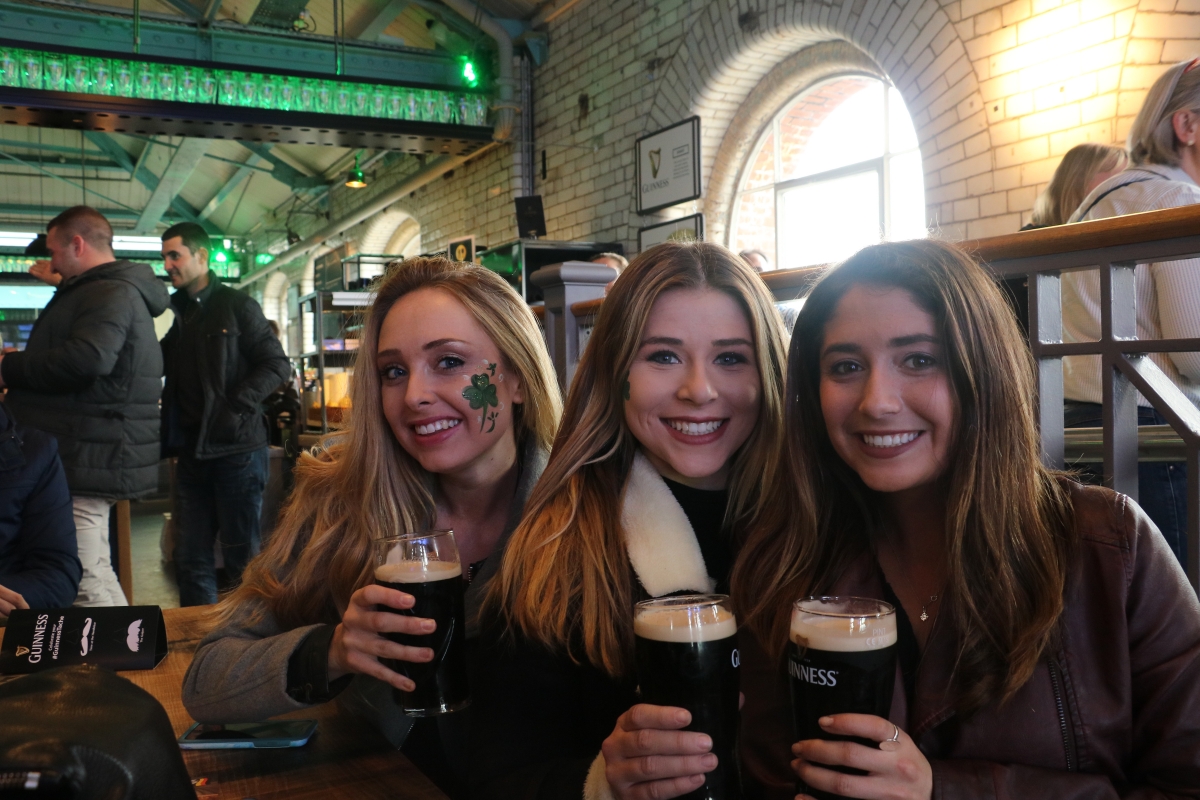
column 671, row 430
column 1049, row 643
column 419, row 452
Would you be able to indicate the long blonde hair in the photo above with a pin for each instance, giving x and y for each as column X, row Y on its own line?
column 363, row 485
column 1009, row 530
column 566, row 580
column 1068, row 185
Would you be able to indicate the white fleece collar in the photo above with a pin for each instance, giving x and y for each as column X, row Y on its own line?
column 661, row 543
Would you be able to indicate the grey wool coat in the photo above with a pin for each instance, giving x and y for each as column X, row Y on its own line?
column 239, row 672
column 91, row 376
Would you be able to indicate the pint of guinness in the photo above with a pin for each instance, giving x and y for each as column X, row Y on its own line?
column 687, row 657
column 425, row 565
column 841, row 660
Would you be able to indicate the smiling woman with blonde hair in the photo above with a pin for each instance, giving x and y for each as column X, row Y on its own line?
column 418, row 453
column 671, row 430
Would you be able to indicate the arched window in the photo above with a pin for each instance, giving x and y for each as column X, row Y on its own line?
column 837, row 169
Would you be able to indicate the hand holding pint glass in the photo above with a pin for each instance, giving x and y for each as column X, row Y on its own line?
column 841, row 660
column 426, row 566
column 687, row 657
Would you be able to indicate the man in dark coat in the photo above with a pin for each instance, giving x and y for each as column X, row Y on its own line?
column 39, row 567
column 91, row 376
column 221, row 360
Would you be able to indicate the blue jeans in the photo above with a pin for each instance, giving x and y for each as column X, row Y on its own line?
column 1162, row 485
column 216, row 495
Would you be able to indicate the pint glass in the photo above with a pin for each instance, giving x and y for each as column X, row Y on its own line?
column 841, row 660
column 686, row 653
column 426, row 566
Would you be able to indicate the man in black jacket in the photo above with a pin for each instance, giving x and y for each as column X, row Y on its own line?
column 221, row 361
column 39, row 566
column 90, row 376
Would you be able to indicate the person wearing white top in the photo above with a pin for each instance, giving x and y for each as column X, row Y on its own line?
column 1165, row 174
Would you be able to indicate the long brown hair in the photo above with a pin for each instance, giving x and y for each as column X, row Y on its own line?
column 1009, row 526
column 362, row 484
column 566, row 580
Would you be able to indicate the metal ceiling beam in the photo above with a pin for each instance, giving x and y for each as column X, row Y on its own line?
column 239, row 175
column 183, row 163
column 49, row 212
column 61, row 162
column 185, row 8
column 284, row 172
column 110, row 29
column 375, row 25
column 144, row 176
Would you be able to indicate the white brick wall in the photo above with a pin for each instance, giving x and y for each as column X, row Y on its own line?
column 998, row 92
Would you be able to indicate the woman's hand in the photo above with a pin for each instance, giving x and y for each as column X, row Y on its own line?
column 896, row 771
column 648, row 756
column 359, row 642
column 10, row 601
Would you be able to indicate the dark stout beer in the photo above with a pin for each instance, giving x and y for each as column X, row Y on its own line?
column 438, row 589
column 687, row 657
column 841, row 660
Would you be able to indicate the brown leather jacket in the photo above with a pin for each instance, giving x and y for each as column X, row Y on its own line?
column 1114, row 713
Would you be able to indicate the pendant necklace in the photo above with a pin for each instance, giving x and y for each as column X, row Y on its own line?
column 925, row 614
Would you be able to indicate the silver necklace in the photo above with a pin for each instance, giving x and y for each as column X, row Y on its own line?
column 925, row 614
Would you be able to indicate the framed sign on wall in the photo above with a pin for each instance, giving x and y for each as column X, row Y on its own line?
column 668, row 166
column 684, row 229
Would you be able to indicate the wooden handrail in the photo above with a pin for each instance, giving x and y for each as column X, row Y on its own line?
column 783, row 280
column 587, row 308
column 1148, row 226
column 539, row 312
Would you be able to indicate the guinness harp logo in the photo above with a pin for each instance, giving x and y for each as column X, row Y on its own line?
column 22, row 650
column 655, row 162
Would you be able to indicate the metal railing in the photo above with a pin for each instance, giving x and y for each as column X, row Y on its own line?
column 1114, row 247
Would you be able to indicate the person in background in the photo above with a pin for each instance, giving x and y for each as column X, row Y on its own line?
column 672, row 429
column 90, row 376
column 303, row 626
column 1082, row 169
column 1164, row 174
column 221, row 362
column 1049, row 643
column 39, row 561
column 614, row 260
column 757, row 259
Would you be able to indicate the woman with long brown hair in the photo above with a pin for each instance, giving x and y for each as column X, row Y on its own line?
column 671, row 430
column 419, row 452
column 1049, row 643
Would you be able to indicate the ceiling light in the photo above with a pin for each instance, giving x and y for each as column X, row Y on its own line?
column 356, row 179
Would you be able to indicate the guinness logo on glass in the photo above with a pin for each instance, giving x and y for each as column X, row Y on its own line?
column 655, row 161
column 22, row 650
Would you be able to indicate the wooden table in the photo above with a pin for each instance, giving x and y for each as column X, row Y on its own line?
column 346, row 758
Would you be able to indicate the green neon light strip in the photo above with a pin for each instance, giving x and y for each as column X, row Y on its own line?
column 115, row 77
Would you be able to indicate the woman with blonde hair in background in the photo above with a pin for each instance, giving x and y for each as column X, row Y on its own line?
column 302, row 627
column 671, row 431
column 1082, row 169
column 1165, row 174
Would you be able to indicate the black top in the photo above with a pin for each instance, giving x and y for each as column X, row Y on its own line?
column 189, row 384
column 705, row 509
column 537, row 717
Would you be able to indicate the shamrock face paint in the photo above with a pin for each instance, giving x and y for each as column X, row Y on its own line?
column 482, row 393
column 443, row 387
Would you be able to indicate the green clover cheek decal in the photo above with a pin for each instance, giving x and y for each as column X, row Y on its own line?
column 481, row 394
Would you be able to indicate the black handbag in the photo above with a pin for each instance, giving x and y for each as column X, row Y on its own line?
column 84, row 733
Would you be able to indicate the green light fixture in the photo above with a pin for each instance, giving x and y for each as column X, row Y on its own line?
column 356, row 179
column 470, row 76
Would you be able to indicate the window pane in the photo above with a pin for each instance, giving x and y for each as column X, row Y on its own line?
column 754, row 221
column 762, row 167
column 901, row 134
column 838, row 124
column 907, row 190
column 827, row 221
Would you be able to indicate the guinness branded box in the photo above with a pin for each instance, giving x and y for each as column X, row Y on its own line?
column 132, row 637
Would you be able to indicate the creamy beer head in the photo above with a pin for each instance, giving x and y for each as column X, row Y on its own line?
column 417, row 572
column 843, row 624
column 675, row 623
